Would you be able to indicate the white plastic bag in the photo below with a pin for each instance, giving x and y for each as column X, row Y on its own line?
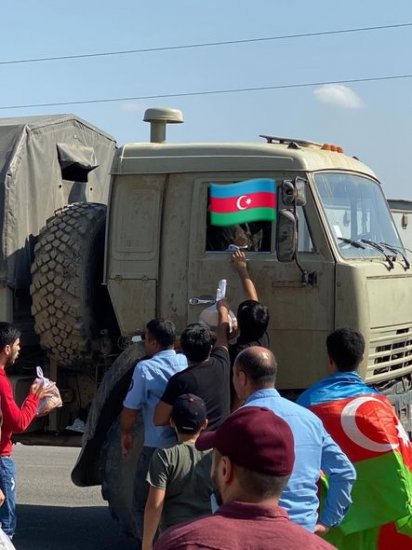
column 209, row 316
column 53, row 400
column 5, row 542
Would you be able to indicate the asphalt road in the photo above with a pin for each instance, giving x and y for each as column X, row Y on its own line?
column 54, row 514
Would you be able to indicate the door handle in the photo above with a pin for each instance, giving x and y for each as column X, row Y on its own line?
column 196, row 300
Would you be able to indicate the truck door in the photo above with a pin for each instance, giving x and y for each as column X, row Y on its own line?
column 301, row 314
column 133, row 249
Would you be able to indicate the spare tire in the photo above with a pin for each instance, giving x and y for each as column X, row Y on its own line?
column 69, row 304
column 101, row 460
column 118, row 475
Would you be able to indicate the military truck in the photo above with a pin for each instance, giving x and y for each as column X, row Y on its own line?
column 402, row 215
column 47, row 163
column 333, row 258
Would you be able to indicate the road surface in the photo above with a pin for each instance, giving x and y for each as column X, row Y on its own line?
column 54, row 514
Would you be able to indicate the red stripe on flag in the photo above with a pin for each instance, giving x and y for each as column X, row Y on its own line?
column 389, row 537
column 243, row 202
column 365, row 427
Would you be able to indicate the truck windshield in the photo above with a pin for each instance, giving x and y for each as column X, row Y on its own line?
column 357, row 213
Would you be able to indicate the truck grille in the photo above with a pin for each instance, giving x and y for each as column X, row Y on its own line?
column 390, row 353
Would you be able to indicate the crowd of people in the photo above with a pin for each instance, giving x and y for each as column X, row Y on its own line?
column 227, row 462
column 249, row 468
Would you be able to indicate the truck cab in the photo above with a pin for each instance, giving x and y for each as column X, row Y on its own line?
column 347, row 266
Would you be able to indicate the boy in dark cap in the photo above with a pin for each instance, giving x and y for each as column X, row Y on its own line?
column 253, row 458
column 179, row 476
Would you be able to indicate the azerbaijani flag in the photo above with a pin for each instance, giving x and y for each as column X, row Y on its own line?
column 246, row 201
column 367, row 429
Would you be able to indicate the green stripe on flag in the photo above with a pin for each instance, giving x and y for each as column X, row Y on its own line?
column 381, row 494
column 404, row 526
column 243, row 216
column 364, row 540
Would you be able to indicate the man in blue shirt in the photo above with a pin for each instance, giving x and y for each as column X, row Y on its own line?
column 149, row 381
column 254, row 379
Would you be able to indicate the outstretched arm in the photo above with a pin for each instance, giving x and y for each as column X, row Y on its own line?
column 239, row 263
column 222, row 331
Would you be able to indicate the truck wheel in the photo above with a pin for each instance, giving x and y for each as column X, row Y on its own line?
column 117, row 475
column 101, row 461
column 69, row 304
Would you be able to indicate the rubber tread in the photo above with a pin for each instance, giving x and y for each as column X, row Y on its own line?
column 62, row 280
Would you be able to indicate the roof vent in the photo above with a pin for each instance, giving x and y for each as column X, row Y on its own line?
column 158, row 119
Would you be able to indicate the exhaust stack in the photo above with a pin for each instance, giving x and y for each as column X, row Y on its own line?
column 158, row 119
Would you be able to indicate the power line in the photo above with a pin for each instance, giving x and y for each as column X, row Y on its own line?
column 209, row 92
column 205, row 44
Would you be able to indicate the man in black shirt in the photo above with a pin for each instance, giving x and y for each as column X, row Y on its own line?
column 208, row 373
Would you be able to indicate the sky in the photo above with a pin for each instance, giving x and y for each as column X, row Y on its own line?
column 371, row 120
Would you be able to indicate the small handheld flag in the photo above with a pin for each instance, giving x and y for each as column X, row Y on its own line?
column 246, row 201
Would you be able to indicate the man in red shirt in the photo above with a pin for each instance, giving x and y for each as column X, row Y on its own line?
column 252, row 460
column 15, row 419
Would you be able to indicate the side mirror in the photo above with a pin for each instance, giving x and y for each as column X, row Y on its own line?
column 286, row 236
column 300, row 187
column 293, row 192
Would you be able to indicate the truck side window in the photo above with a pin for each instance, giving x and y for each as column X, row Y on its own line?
column 254, row 236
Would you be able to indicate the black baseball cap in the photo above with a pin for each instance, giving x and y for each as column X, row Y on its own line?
column 189, row 413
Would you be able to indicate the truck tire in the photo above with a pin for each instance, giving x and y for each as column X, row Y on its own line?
column 118, row 475
column 69, row 304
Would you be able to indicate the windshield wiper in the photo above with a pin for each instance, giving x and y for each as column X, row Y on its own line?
column 381, row 249
column 356, row 244
column 397, row 250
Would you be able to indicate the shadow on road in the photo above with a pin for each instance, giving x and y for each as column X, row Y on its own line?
column 63, row 528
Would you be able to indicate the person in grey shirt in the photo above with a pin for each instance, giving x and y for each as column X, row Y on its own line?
column 179, row 476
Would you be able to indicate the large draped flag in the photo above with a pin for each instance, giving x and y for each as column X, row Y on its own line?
column 364, row 424
column 246, row 201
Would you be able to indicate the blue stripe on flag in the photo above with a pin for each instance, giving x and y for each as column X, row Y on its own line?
column 223, row 191
column 340, row 385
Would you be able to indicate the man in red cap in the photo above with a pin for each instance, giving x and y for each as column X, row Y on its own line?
column 252, row 460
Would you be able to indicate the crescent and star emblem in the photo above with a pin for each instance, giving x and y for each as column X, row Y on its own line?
column 246, row 202
column 351, row 429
